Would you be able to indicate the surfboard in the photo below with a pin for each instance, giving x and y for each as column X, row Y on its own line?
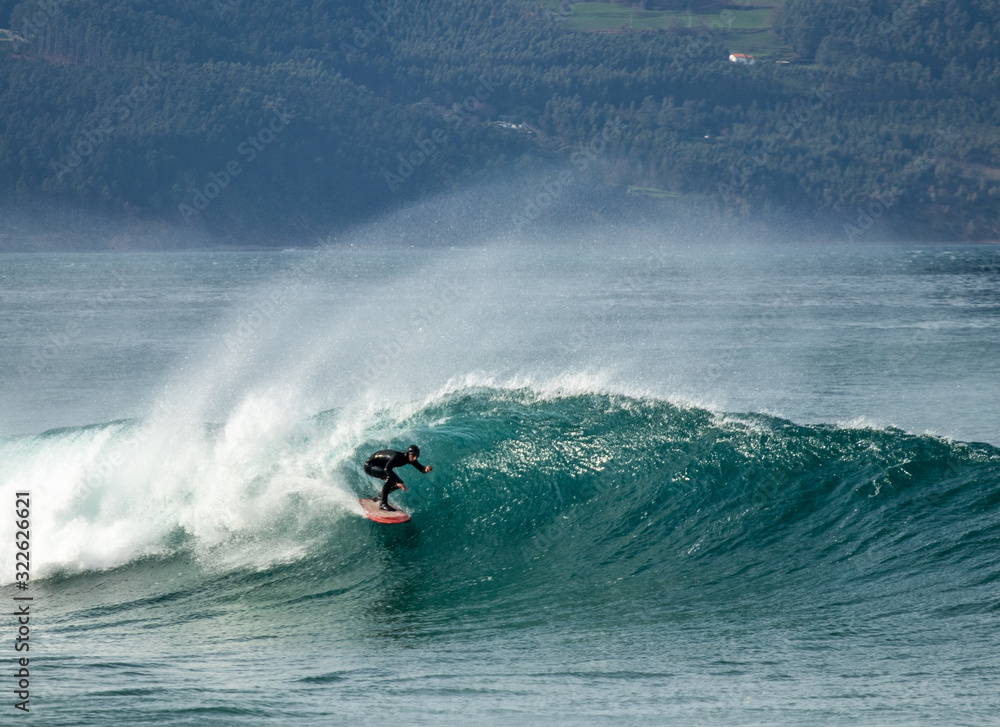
column 389, row 517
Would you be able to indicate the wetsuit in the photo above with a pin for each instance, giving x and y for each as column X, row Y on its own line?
column 381, row 465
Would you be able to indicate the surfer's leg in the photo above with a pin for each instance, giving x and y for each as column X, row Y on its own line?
column 389, row 486
column 379, row 474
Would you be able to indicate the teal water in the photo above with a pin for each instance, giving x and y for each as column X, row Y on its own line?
column 670, row 486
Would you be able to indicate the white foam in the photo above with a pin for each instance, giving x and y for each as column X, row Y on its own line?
column 104, row 496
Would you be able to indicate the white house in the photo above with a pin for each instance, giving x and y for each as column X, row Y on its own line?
column 741, row 58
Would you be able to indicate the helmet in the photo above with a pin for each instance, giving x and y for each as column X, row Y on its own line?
column 414, row 450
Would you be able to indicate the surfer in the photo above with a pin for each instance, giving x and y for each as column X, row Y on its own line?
column 381, row 465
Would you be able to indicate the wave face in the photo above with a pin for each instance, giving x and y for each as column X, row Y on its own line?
column 544, row 501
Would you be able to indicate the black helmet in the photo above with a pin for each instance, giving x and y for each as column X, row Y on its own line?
column 414, row 450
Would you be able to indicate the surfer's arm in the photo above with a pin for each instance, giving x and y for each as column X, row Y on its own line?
column 420, row 467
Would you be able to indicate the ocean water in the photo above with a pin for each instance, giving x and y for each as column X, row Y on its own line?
column 674, row 483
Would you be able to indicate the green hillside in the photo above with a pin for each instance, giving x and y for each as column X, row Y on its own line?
column 238, row 115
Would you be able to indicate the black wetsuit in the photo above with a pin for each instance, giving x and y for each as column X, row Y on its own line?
column 381, row 465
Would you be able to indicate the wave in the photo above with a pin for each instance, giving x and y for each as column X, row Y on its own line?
column 533, row 495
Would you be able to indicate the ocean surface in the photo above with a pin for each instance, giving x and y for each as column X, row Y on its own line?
column 674, row 483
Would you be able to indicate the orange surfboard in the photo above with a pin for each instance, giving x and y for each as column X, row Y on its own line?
column 389, row 517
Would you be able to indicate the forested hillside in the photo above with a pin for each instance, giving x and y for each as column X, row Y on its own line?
column 293, row 114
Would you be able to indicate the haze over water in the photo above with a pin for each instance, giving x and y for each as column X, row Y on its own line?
column 902, row 335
